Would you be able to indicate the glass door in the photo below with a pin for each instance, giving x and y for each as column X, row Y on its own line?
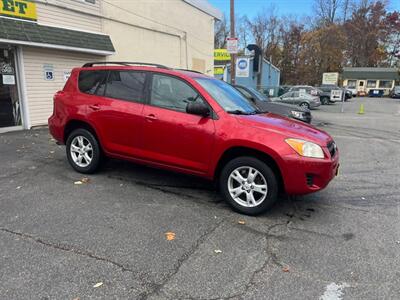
column 10, row 112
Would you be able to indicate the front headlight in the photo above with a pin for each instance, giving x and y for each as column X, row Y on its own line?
column 304, row 148
column 297, row 114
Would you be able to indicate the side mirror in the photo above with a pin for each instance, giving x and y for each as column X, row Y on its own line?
column 197, row 108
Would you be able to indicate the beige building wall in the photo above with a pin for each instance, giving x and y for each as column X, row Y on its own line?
column 40, row 92
column 169, row 32
column 70, row 14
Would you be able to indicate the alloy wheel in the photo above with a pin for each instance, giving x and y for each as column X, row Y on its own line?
column 247, row 186
column 81, row 151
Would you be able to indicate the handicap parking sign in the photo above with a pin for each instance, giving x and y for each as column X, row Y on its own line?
column 49, row 75
column 48, row 72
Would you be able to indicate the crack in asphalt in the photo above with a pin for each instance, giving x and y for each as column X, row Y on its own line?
column 156, row 287
column 272, row 256
column 67, row 248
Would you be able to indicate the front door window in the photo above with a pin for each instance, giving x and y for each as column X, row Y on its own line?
column 10, row 112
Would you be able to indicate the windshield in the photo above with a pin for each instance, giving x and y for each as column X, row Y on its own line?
column 259, row 95
column 230, row 99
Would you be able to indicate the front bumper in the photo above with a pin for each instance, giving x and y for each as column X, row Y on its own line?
column 314, row 104
column 307, row 118
column 307, row 175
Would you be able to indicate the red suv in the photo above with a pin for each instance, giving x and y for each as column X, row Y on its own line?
column 188, row 122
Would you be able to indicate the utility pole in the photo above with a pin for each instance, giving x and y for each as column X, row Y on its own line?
column 233, row 56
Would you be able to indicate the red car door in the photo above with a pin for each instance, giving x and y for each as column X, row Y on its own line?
column 117, row 112
column 172, row 136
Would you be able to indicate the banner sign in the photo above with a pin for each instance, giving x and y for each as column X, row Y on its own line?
column 219, row 70
column 221, row 55
column 19, row 9
column 243, row 67
column 330, row 78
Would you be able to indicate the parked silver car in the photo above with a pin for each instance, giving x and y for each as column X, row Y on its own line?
column 313, row 91
column 297, row 98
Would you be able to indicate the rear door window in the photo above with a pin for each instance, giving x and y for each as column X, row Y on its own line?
column 90, row 82
column 126, row 85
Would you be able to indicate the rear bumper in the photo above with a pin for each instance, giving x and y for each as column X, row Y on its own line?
column 308, row 175
column 56, row 129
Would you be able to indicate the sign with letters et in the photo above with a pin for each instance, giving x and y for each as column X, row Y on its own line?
column 18, row 9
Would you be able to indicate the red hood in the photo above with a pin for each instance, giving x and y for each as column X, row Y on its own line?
column 286, row 127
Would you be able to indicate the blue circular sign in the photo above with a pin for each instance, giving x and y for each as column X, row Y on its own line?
column 242, row 64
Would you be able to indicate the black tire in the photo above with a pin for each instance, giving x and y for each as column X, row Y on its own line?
column 325, row 100
column 305, row 105
column 96, row 151
column 268, row 175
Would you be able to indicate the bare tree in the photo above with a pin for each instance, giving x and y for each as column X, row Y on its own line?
column 221, row 32
column 327, row 10
column 242, row 31
column 258, row 28
column 345, row 7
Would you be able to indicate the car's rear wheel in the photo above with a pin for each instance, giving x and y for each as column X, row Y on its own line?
column 83, row 151
column 305, row 105
column 248, row 185
column 325, row 100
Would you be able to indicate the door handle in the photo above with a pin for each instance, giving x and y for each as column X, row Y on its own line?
column 151, row 117
column 94, row 107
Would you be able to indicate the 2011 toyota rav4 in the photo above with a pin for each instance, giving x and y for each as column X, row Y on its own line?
column 191, row 123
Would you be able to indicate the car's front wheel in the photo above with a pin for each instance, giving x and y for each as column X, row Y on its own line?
column 83, row 151
column 248, row 185
column 305, row 105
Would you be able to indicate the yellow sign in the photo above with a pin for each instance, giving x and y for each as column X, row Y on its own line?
column 20, row 9
column 219, row 70
column 221, row 54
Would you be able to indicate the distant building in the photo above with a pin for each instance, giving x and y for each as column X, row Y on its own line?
column 270, row 75
column 363, row 79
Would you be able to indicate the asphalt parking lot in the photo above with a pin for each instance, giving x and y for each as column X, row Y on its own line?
column 58, row 240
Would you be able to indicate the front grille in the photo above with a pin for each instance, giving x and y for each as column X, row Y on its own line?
column 332, row 148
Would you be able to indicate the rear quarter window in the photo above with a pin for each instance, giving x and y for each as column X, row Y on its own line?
column 90, row 82
column 126, row 85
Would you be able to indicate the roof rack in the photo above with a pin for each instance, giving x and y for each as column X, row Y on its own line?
column 124, row 63
column 188, row 70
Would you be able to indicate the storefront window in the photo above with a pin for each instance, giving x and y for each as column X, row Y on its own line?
column 9, row 101
column 387, row 84
column 351, row 83
column 371, row 83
